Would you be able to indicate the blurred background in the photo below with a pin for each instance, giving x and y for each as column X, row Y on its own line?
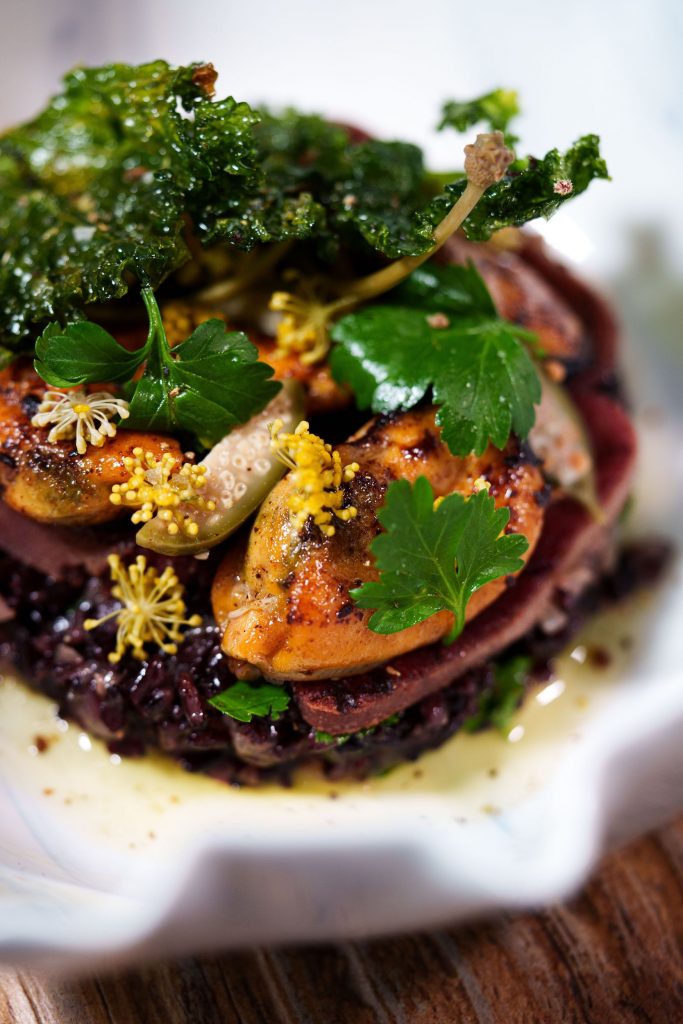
column 611, row 67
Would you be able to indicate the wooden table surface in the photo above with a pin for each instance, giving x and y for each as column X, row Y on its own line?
column 614, row 954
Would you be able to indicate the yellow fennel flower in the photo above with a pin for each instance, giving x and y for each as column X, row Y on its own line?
column 317, row 475
column 303, row 329
column 480, row 484
column 155, row 488
column 152, row 612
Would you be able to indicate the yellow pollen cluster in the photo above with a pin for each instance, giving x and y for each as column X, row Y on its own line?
column 155, row 488
column 303, row 328
column 153, row 610
column 317, row 475
column 480, row 484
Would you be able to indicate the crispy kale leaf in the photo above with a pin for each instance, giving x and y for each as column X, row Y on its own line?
column 244, row 701
column 365, row 190
column 271, row 200
column 441, row 331
column 531, row 188
column 97, row 188
column 103, row 186
column 385, row 195
column 495, row 109
column 433, row 559
column 376, row 196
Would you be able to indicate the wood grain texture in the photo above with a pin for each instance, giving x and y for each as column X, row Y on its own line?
column 614, row 955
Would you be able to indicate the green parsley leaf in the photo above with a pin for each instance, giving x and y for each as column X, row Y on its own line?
column 499, row 704
column 204, row 386
column 432, row 560
column 495, row 109
column 327, row 738
column 83, row 353
column 480, row 373
column 321, row 736
column 460, row 290
column 245, row 701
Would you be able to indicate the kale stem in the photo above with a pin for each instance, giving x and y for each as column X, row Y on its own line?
column 485, row 163
column 388, row 277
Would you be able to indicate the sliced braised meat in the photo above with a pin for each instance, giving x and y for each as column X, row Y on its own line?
column 51, row 549
column 525, row 296
column 571, row 537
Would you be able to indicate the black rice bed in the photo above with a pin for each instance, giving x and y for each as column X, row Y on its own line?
column 163, row 702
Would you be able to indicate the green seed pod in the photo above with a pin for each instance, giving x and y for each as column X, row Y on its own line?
column 240, row 471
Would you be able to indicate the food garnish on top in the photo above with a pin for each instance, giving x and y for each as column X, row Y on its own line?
column 291, row 272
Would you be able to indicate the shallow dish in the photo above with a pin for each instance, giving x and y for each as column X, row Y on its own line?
column 108, row 859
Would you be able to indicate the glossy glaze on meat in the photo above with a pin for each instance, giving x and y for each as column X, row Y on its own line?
column 49, row 481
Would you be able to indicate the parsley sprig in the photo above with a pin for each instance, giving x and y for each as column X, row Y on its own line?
column 205, row 386
column 497, row 706
column 434, row 559
column 441, row 331
column 244, row 701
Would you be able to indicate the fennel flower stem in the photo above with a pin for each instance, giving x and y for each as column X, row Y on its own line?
column 486, row 161
column 388, row 277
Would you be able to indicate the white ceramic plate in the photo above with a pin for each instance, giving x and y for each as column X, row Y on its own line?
column 101, row 858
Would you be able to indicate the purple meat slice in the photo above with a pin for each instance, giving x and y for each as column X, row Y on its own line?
column 573, row 545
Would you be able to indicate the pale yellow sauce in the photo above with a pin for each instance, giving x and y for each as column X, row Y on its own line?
column 137, row 803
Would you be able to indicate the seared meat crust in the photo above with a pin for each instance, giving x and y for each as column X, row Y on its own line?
column 287, row 611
